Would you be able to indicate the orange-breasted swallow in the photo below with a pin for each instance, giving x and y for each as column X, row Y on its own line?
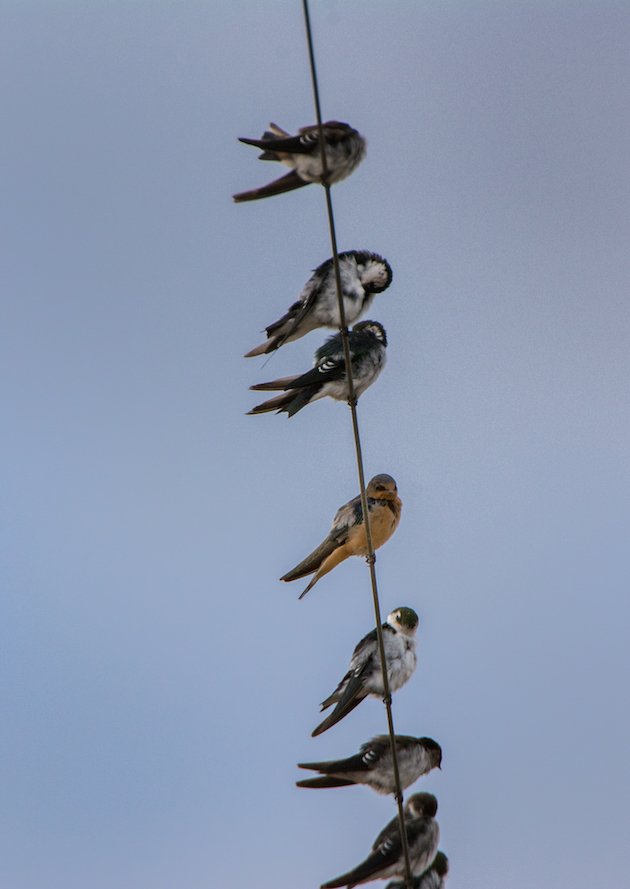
column 345, row 149
column 347, row 534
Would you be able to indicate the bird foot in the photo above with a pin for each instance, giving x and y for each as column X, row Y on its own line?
column 371, row 559
column 387, row 700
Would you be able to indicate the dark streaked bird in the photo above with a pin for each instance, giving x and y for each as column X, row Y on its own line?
column 373, row 764
column 363, row 275
column 386, row 858
column 347, row 533
column 367, row 342
column 365, row 677
column 344, row 146
column 433, row 878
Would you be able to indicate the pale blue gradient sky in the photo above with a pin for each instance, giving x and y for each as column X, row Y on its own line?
column 158, row 683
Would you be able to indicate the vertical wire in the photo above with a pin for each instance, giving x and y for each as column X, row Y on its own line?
column 352, row 402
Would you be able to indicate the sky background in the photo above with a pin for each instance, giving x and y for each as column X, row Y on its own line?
column 158, row 683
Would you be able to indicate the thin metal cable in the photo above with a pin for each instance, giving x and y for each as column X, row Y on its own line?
column 352, row 402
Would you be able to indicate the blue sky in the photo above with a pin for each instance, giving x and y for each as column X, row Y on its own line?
column 158, row 683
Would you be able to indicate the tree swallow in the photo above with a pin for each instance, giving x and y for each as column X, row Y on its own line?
column 347, row 534
column 365, row 677
column 433, row 878
column 373, row 764
column 367, row 342
column 386, row 859
column 363, row 275
column 345, row 149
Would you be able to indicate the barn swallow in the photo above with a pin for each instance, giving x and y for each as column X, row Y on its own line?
column 367, row 342
column 386, row 858
column 344, row 146
column 373, row 764
column 347, row 535
column 434, row 876
column 364, row 676
column 363, row 275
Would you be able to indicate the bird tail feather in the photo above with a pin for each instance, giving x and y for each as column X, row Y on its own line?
column 279, row 403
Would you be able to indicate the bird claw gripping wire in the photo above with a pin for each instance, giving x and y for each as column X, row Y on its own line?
column 370, row 558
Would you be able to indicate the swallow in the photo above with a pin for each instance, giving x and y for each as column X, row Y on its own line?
column 344, row 147
column 363, row 275
column 367, row 342
column 433, row 878
column 365, row 677
column 372, row 765
column 347, row 535
column 386, row 858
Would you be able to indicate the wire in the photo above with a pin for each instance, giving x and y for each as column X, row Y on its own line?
column 352, row 402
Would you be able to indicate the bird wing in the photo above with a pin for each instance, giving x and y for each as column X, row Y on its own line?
column 324, row 781
column 302, row 306
column 288, row 182
column 314, row 560
column 346, row 517
column 383, row 858
column 282, row 383
column 359, row 762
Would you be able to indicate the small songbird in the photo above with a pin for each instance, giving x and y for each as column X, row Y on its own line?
column 386, row 859
column 433, row 878
column 345, row 149
column 367, row 342
column 365, row 676
column 363, row 275
column 347, row 533
column 373, row 764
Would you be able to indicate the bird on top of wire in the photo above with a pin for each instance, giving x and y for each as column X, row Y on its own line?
column 434, row 877
column 365, row 676
column 363, row 274
column 347, row 536
column 373, row 764
column 386, row 858
column 367, row 342
column 344, row 147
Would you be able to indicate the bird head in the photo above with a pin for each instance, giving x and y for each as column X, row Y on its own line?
column 375, row 273
column 376, row 329
column 434, row 750
column 440, row 864
column 383, row 486
column 403, row 619
column 421, row 805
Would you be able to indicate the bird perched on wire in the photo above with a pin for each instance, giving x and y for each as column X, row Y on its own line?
column 386, row 858
column 373, row 765
column 365, row 676
column 433, row 878
column 367, row 342
column 347, row 535
column 363, row 275
column 344, row 147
